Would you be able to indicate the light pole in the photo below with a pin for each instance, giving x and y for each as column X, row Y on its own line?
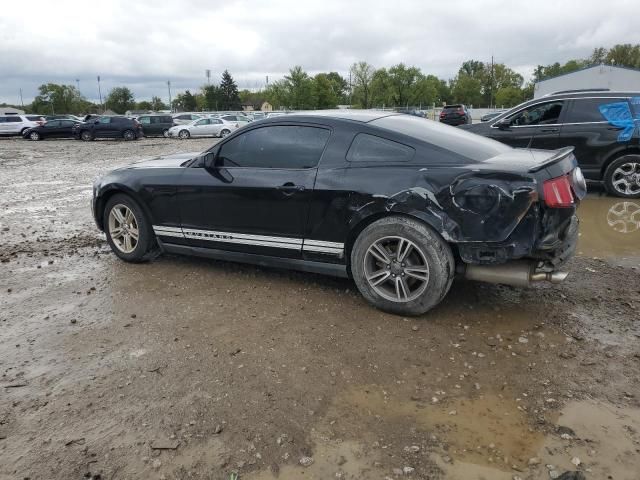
column 100, row 94
column 169, row 88
column 208, row 74
column 21, row 100
column 78, row 84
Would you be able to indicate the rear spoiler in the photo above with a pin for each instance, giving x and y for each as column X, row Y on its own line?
column 558, row 155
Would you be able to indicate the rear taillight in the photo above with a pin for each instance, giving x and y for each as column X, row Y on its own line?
column 461, row 111
column 442, row 114
column 557, row 192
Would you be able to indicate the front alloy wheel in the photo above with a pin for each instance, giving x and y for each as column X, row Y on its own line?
column 184, row 134
column 123, row 228
column 34, row 136
column 86, row 135
column 129, row 135
column 225, row 133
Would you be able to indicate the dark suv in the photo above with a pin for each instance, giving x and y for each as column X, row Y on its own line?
column 108, row 127
column 455, row 115
column 602, row 126
column 156, row 125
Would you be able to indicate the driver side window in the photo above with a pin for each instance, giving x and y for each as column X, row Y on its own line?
column 541, row 114
column 204, row 121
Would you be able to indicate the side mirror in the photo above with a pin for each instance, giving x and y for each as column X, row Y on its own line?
column 503, row 124
column 210, row 160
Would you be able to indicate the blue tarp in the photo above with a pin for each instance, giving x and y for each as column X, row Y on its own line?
column 620, row 115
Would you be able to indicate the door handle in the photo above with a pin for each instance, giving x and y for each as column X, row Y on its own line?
column 549, row 130
column 290, row 188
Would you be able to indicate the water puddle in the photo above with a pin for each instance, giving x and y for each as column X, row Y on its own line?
column 610, row 229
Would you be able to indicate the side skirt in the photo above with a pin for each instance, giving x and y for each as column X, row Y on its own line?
column 331, row 269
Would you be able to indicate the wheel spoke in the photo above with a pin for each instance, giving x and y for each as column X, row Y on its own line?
column 421, row 273
column 402, row 289
column 127, row 242
column 378, row 277
column 134, row 233
column 117, row 232
column 129, row 218
column 404, row 247
column 380, row 253
column 118, row 216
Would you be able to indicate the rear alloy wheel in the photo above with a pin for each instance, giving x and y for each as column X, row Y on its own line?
column 402, row 266
column 86, row 136
column 184, row 134
column 622, row 177
column 34, row 136
column 129, row 135
column 129, row 234
column 165, row 133
column 225, row 133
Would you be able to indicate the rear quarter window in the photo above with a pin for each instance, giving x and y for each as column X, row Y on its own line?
column 588, row 110
column 370, row 148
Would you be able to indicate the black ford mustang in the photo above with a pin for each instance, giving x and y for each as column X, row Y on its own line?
column 400, row 204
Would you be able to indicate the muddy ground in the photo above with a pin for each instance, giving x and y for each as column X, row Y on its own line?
column 192, row 369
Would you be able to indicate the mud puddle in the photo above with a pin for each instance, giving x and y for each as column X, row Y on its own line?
column 610, row 229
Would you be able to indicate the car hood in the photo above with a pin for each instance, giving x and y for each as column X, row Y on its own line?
column 165, row 161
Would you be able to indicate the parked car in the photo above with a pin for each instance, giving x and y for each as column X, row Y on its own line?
column 398, row 203
column 598, row 124
column 204, row 127
column 155, row 125
column 185, row 118
column 51, row 129
column 455, row 115
column 108, row 127
column 489, row 116
column 241, row 119
column 18, row 124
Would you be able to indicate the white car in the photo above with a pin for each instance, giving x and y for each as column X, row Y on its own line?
column 241, row 119
column 17, row 124
column 204, row 127
column 185, row 118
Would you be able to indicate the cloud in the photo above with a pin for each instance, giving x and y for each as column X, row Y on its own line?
column 142, row 44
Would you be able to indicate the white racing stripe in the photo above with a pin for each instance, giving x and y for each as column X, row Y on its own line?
column 316, row 246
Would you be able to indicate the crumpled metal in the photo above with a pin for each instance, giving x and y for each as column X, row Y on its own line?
column 619, row 115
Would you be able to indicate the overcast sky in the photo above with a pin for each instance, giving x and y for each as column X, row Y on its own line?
column 142, row 44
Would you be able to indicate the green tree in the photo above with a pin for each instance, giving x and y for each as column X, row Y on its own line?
column 144, row 105
column 339, row 85
column 53, row 98
column 185, row 102
column 508, row 96
column 625, row 55
column 361, row 78
column 157, row 104
column 120, row 99
column 467, row 89
column 299, row 86
column 403, row 81
column 324, row 91
column 229, row 93
column 212, row 97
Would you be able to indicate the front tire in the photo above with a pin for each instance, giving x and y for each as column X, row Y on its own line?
column 35, row 136
column 184, row 134
column 225, row 133
column 401, row 266
column 129, row 135
column 622, row 177
column 129, row 233
column 165, row 133
column 86, row 136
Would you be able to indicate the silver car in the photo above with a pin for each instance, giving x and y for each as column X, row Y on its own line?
column 204, row 127
column 185, row 118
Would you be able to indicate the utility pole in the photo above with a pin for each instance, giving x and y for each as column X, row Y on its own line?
column 491, row 87
column 78, row 84
column 208, row 75
column 169, row 88
column 21, row 100
column 350, row 89
column 100, row 94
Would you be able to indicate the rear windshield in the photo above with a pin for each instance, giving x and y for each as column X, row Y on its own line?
column 453, row 139
column 452, row 107
column 33, row 118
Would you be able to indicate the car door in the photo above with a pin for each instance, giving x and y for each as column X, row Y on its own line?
column 216, row 126
column 589, row 132
column 13, row 124
column 104, row 127
column 255, row 197
column 200, row 128
column 147, row 125
column 66, row 129
column 536, row 126
column 51, row 129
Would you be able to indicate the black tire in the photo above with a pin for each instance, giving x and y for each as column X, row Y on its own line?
column 86, row 136
column 165, row 133
column 129, row 135
column 428, row 247
column 35, row 136
column 630, row 185
column 23, row 130
column 184, row 134
column 146, row 244
column 225, row 132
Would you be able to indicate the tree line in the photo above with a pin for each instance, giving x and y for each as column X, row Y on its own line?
column 477, row 83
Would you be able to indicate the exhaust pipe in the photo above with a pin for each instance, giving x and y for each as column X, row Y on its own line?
column 517, row 273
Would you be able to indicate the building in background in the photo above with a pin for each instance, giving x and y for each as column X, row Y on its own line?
column 616, row 79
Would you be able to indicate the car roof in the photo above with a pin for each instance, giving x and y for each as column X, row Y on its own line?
column 589, row 93
column 363, row 116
